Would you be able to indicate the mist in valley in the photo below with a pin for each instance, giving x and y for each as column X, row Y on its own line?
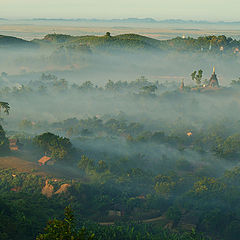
column 46, row 87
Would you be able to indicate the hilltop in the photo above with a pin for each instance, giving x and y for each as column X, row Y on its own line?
column 14, row 42
column 135, row 41
column 213, row 44
column 124, row 41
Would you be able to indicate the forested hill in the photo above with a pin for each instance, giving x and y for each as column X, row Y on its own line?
column 106, row 42
column 221, row 44
column 14, row 42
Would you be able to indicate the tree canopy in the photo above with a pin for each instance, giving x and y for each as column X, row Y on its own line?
column 59, row 148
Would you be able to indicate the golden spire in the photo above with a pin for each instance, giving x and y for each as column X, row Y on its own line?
column 182, row 84
column 213, row 69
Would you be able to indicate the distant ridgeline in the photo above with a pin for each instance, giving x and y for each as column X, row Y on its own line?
column 215, row 44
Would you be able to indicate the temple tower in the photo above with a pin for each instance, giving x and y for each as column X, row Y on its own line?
column 182, row 85
column 213, row 81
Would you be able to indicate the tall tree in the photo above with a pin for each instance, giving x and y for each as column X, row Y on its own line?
column 5, row 107
column 197, row 76
column 4, row 143
column 64, row 229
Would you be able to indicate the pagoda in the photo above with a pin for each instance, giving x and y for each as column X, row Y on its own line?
column 182, row 85
column 213, row 81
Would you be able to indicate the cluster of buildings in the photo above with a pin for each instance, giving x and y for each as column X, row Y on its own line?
column 15, row 145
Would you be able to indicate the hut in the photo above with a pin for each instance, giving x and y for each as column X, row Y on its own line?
column 45, row 160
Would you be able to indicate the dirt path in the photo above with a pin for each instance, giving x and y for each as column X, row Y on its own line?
column 150, row 220
column 106, row 223
column 153, row 219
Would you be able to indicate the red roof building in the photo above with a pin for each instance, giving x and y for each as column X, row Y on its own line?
column 44, row 160
column 13, row 144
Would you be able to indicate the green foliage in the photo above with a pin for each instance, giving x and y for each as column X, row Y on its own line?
column 4, row 143
column 164, row 185
column 64, row 229
column 149, row 89
column 108, row 34
column 58, row 147
column 102, row 166
column 235, row 82
column 86, row 163
column 208, row 185
column 231, row 146
column 174, row 214
column 197, row 77
column 5, row 106
column 71, row 44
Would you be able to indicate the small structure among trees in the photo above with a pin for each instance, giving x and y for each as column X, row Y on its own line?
column 44, row 160
column 14, row 144
column 58, row 148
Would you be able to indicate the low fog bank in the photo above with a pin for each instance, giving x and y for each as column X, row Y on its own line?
column 78, row 67
column 45, row 103
column 149, row 156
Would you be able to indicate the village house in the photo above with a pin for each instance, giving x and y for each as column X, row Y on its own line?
column 45, row 160
column 14, row 144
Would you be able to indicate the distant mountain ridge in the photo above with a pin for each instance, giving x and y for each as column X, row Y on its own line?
column 128, row 20
column 138, row 20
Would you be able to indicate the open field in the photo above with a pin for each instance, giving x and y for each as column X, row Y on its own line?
column 22, row 165
column 18, row 163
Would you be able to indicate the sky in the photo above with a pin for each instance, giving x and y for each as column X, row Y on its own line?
column 211, row 10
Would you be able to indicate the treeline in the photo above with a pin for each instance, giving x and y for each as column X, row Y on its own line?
column 49, row 83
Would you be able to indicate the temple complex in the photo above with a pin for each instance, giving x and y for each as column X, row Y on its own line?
column 212, row 84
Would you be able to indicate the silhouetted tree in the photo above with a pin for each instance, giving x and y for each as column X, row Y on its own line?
column 64, row 229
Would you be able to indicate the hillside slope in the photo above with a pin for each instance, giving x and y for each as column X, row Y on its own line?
column 125, row 41
column 14, row 42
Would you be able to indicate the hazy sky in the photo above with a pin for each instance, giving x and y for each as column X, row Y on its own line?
column 159, row 9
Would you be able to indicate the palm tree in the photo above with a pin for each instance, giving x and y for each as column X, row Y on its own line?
column 5, row 106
